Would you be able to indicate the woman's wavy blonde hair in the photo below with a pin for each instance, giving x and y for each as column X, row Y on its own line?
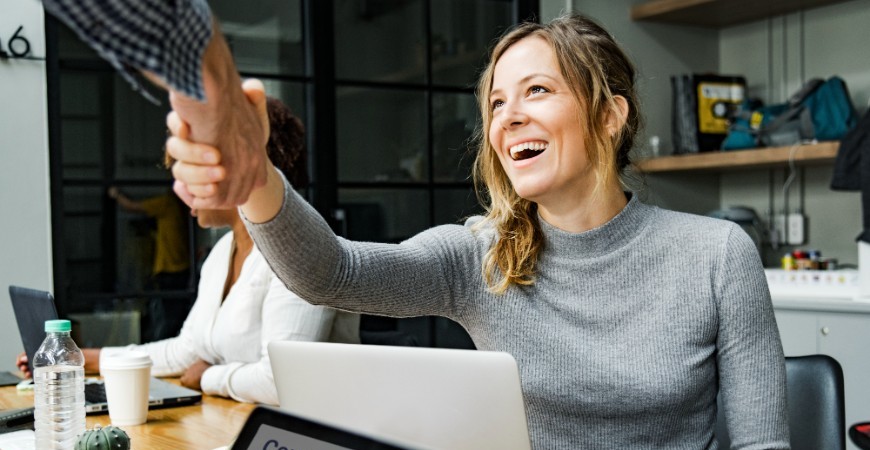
column 596, row 70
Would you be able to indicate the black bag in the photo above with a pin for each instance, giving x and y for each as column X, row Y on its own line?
column 683, row 122
column 852, row 169
column 854, row 148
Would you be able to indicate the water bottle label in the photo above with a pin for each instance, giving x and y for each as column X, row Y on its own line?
column 61, row 375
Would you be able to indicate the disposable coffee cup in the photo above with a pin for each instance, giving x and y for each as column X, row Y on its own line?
column 127, row 375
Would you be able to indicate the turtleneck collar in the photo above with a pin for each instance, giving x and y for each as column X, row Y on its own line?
column 601, row 240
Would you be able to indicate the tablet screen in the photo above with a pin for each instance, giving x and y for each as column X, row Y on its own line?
column 273, row 438
column 269, row 428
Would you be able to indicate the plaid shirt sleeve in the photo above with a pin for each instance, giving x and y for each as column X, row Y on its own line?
column 165, row 37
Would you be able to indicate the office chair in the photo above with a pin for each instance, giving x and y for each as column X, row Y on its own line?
column 397, row 338
column 816, row 405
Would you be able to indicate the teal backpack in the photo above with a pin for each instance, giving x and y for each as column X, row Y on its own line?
column 820, row 110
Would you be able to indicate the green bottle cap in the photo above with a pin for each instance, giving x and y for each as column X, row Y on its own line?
column 54, row 326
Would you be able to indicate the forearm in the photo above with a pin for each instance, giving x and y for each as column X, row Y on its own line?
column 223, row 89
column 251, row 383
column 176, row 45
column 144, row 44
column 269, row 220
column 264, row 203
column 402, row 280
column 170, row 357
column 128, row 204
column 92, row 360
column 228, row 121
column 284, row 317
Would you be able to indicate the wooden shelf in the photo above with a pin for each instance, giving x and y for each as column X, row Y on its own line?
column 821, row 153
column 719, row 13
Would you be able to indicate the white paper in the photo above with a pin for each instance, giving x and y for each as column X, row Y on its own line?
column 864, row 268
column 18, row 440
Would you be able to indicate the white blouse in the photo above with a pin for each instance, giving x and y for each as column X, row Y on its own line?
column 233, row 336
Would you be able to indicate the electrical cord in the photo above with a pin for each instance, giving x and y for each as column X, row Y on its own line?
column 785, row 188
column 791, row 175
column 772, row 232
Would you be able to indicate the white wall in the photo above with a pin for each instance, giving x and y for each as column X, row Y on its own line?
column 25, row 226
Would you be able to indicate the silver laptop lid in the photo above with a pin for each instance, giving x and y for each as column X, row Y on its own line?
column 435, row 398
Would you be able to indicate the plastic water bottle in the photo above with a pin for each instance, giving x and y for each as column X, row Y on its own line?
column 59, row 374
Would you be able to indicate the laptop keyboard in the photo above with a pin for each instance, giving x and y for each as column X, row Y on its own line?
column 95, row 393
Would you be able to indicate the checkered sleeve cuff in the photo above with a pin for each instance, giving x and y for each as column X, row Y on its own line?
column 165, row 37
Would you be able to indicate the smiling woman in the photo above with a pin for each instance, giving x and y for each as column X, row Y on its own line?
column 535, row 129
column 544, row 154
column 617, row 347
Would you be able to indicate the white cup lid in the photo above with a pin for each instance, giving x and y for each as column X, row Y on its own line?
column 126, row 359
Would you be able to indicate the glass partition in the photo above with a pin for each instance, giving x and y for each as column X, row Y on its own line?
column 462, row 32
column 380, row 41
column 381, row 135
column 383, row 215
column 455, row 118
column 265, row 37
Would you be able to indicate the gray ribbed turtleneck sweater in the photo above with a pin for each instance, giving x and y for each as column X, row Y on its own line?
column 622, row 342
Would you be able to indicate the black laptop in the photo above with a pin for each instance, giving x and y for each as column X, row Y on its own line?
column 32, row 308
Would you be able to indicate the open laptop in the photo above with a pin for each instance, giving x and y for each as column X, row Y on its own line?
column 32, row 308
column 430, row 398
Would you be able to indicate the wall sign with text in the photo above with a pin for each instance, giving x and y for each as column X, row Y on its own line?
column 15, row 46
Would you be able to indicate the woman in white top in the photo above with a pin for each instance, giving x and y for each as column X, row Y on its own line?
column 241, row 305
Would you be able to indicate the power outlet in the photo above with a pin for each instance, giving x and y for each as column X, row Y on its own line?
column 791, row 229
column 779, row 226
column 797, row 227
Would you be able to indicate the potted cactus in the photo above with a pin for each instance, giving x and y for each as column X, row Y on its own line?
column 99, row 438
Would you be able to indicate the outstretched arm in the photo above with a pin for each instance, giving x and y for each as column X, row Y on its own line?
column 229, row 122
column 125, row 202
column 179, row 46
column 418, row 277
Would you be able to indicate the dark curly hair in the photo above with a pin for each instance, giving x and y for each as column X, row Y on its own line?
column 286, row 145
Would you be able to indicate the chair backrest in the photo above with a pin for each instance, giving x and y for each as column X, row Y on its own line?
column 397, row 338
column 816, row 405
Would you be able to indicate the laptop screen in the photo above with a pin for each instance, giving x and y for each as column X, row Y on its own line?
column 32, row 308
column 272, row 429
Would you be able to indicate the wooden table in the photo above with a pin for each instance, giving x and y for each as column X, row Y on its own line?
column 213, row 423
